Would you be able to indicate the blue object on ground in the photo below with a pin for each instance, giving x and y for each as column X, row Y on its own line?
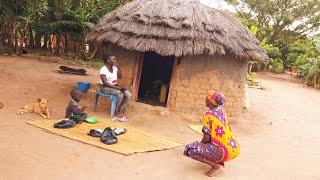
column 83, row 86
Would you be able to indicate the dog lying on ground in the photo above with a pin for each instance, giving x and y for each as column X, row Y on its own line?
column 40, row 107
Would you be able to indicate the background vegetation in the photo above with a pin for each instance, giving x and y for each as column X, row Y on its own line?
column 288, row 29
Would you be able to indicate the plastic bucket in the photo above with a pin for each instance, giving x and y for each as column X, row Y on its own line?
column 83, row 86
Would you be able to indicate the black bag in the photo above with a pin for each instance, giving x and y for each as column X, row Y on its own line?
column 64, row 124
column 108, row 136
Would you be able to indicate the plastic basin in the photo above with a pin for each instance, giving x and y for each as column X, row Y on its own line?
column 92, row 120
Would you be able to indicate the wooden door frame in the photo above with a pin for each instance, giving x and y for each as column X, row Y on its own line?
column 138, row 71
column 172, row 81
column 137, row 75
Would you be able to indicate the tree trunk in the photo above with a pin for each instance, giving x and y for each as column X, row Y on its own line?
column 82, row 45
column 45, row 41
column 23, row 35
column 16, row 46
column 75, row 47
column 50, row 45
column 38, row 38
column 57, row 44
column 96, row 48
column 66, row 46
column 31, row 40
column 26, row 38
column 4, row 37
column 10, row 37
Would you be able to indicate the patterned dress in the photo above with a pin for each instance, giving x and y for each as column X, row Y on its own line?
column 223, row 146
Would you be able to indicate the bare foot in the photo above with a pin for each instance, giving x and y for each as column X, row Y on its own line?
column 118, row 115
column 214, row 171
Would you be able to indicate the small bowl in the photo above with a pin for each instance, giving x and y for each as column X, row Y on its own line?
column 92, row 120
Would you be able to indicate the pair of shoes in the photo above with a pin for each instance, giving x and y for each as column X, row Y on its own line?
column 120, row 119
column 94, row 133
column 108, row 136
column 119, row 131
column 64, row 124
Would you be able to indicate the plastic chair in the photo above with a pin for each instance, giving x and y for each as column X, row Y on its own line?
column 114, row 100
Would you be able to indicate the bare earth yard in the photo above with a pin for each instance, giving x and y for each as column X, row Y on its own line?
column 278, row 135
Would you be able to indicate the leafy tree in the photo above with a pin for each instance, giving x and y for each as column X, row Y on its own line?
column 282, row 22
column 31, row 22
column 308, row 64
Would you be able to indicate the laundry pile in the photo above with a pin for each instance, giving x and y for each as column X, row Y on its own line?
column 107, row 136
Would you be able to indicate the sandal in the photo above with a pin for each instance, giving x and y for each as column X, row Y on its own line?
column 94, row 133
column 120, row 119
column 123, row 119
column 119, row 131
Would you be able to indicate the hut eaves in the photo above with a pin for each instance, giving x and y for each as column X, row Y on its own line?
column 179, row 28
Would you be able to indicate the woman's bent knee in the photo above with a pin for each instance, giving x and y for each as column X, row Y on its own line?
column 127, row 94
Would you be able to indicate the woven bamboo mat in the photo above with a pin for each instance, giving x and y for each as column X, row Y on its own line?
column 197, row 128
column 133, row 141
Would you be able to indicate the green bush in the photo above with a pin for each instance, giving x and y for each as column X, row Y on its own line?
column 251, row 79
column 275, row 65
column 254, row 66
column 311, row 71
column 5, row 50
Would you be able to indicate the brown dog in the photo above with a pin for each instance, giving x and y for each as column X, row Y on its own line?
column 40, row 107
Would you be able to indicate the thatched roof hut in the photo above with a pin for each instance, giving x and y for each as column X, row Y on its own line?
column 177, row 27
column 183, row 44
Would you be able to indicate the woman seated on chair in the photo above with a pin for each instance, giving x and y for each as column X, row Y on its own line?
column 109, row 75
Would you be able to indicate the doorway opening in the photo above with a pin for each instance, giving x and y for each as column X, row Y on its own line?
column 155, row 79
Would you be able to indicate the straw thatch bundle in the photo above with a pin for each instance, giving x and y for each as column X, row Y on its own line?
column 177, row 27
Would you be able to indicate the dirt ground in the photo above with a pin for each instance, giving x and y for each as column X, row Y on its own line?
column 278, row 135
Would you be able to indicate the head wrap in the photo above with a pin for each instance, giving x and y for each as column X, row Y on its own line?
column 216, row 98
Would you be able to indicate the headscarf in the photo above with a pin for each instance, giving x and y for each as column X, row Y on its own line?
column 216, row 98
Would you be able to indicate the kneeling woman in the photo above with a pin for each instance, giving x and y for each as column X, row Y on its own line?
column 218, row 144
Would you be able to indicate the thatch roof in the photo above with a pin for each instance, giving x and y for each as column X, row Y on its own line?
column 177, row 27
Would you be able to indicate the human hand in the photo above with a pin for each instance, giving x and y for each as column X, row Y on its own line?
column 85, row 106
column 122, row 90
column 115, row 63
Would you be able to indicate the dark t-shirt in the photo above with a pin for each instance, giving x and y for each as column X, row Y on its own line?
column 73, row 109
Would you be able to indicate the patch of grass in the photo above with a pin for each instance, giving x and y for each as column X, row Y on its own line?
column 97, row 63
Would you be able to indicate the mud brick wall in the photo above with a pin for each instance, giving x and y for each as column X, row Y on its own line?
column 194, row 76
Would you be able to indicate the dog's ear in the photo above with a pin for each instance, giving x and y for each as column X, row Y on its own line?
column 39, row 100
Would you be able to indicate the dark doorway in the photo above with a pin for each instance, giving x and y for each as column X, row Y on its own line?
column 155, row 79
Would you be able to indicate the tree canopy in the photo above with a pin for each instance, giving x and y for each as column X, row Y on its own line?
column 282, row 22
column 37, row 23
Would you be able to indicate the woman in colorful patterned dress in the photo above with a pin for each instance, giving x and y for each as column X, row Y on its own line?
column 218, row 144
